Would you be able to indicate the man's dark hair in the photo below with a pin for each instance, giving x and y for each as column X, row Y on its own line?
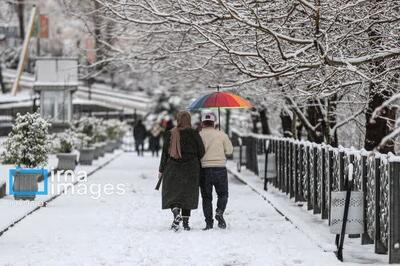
column 208, row 123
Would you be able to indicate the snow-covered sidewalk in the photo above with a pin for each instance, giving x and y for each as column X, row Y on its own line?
column 130, row 228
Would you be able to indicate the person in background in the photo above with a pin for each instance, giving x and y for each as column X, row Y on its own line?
column 180, row 170
column 139, row 134
column 169, row 125
column 213, row 173
column 155, row 134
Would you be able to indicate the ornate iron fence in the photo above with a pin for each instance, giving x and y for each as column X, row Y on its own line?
column 309, row 172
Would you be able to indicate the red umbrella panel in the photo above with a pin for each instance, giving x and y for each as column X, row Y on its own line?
column 220, row 100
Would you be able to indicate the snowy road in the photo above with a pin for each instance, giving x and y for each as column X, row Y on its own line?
column 131, row 229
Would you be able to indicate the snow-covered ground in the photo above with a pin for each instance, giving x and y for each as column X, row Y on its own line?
column 130, row 229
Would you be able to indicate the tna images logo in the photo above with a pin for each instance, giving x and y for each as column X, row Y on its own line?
column 24, row 182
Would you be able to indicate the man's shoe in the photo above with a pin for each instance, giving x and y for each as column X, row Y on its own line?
column 221, row 221
column 208, row 227
column 186, row 226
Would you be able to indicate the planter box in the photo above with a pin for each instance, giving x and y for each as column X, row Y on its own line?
column 97, row 151
column 66, row 161
column 109, row 147
column 103, row 146
column 86, row 156
column 100, row 149
column 115, row 144
column 25, row 183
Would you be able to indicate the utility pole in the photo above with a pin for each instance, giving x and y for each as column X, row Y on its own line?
column 3, row 88
column 24, row 53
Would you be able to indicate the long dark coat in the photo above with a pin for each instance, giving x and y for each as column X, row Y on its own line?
column 180, row 184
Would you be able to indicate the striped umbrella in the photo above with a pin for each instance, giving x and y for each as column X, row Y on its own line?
column 220, row 100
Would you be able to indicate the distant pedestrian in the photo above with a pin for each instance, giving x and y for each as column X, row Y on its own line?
column 155, row 134
column 213, row 173
column 139, row 134
column 180, row 170
column 169, row 125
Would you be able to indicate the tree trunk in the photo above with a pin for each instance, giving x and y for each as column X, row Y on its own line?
column 315, row 117
column 264, row 122
column 378, row 128
column 227, row 122
column 331, row 123
column 97, row 24
column 2, row 85
column 20, row 13
column 286, row 124
column 255, row 129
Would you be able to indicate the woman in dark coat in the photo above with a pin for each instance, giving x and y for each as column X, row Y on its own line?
column 180, row 170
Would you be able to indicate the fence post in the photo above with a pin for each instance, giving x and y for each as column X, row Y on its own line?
column 330, row 181
column 308, row 177
column 240, row 142
column 324, row 211
column 292, row 169
column 284, row 166
column 287, row 167
column 296, row 171
column 274, row 150
column 394, row 212
column 351, row 160
column 278, row 167
column 341, row 170
column 316, row 209
column 301, row 172
column 379, row 247
column 365, row 239
column 254, row 144
column 281, row 173
column 267, row 148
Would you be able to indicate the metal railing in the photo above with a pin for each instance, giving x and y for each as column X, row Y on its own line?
column 309, row 172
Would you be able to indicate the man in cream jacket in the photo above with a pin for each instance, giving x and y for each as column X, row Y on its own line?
column 213, row 173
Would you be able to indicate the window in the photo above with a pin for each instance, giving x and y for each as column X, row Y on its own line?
column 56, row 105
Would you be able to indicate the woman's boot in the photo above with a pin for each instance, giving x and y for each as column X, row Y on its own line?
column 177, row 219
column 186, row 226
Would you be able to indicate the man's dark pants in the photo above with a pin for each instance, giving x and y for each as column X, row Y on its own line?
column 214, row 177
column 139, row 147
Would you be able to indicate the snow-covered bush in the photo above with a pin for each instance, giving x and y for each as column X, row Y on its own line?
column 112, row 128
column 123, row 128
column 83, row 141
column 100, row 131
column 86, row 125
column 64, row 142
column 27, row 144
column 92, row 127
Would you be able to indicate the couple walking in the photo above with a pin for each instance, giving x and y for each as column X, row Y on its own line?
column 191, row 159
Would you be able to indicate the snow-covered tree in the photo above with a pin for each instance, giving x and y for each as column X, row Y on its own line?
column 27, row 144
